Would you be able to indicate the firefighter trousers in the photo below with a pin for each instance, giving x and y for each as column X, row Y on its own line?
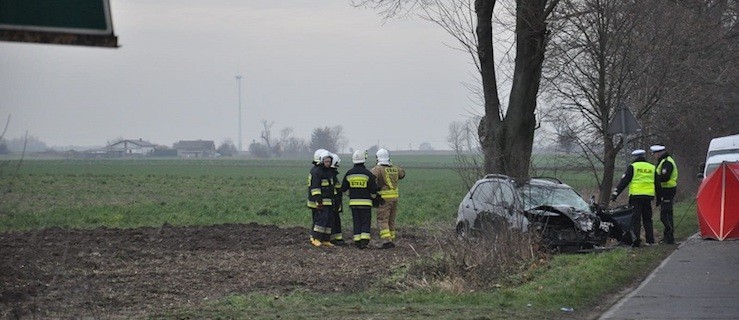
column 362, row 221
column 386, row 214
column 336, row 234
column 322, row 220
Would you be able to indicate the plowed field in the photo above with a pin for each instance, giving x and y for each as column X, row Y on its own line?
column 112, row 273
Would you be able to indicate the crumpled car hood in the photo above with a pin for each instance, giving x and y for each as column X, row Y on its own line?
column 583, row 220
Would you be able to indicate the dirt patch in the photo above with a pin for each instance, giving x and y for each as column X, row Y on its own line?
column 139, row 272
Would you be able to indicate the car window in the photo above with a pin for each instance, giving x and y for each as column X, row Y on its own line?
column 538, row 195
column 507, row 194
column 487, row 192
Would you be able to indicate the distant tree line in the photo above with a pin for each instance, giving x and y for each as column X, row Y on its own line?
column 18, row 145
column 285, row 145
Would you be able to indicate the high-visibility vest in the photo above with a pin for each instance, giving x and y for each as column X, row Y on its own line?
column 642, row 183
column 673, row 176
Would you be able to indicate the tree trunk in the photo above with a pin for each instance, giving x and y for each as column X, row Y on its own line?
column 507, row 140
column 609, row 169
column 520, row 119
column 490, row 124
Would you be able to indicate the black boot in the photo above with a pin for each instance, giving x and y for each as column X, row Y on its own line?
column 387, row 245
column 363, row 243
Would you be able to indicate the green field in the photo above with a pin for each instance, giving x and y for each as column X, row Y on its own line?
column 133, row 193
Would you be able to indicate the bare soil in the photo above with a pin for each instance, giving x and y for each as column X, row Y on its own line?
column 119, row 273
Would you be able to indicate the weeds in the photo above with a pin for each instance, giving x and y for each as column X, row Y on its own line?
column 479, row 263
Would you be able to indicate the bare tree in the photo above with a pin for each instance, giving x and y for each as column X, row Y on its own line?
column 704, row 87
column 462, row 138
column 594, row 68
column 506, row 134
column 3, row 143
column 295, row 147
column 284, row 144
column 266, row 134
column 6, row 185
column 610, row 53
column 329, row 138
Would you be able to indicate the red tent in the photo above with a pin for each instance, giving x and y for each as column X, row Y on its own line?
column 718, row 203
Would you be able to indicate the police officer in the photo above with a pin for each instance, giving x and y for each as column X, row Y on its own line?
column 640, row 178
column 667, row 188
column 362, row 188
column 388, row 176
column 321, row 191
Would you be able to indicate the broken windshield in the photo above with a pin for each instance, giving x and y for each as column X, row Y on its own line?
column 549, row 195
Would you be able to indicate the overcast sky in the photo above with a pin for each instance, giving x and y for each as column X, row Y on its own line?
column 305, row 64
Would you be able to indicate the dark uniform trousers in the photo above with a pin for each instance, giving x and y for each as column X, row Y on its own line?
column 322, row 222
column 666, row 215
column 362, row 221
column 642, row 212
column 336, row 233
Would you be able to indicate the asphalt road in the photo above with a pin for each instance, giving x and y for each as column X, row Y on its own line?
column 700, row 280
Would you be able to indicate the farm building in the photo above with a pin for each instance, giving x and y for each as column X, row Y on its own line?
column 195, row 148
column 129, row 148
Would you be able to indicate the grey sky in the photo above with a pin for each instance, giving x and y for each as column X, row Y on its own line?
column 305, row 64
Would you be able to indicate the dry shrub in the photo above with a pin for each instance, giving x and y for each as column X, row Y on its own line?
column 479, row 262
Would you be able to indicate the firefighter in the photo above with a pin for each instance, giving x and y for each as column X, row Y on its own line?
column 640, row 178
column 336, row 235
column 667, row 188
column 388, row 176
column 321, row 189
column 362, row 187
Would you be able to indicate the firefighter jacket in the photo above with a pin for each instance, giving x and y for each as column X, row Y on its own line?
column 361, row 184
column 321, row 187
column 338, row 196
column 640, row 177
column 387, row 179
column 667, row 172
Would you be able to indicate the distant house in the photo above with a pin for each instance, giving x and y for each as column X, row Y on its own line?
column 130, row 148
column 195, row 149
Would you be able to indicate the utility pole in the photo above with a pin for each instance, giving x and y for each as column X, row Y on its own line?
column 238, row 80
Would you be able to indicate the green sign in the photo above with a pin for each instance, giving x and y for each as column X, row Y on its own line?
column 75, row 22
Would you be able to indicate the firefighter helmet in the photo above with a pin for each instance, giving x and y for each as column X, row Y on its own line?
column 317, row 156
column 359, row 156
column 335, row 160
column 383, row 156
column 323, row 155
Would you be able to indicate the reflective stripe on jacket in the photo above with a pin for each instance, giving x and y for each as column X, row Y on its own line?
column 387, row 180
column 361, row 184
column 321, row 187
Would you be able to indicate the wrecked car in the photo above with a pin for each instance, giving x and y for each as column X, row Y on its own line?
column 546, row 206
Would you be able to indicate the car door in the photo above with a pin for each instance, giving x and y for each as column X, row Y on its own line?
column 511, row 204
column 486, row 201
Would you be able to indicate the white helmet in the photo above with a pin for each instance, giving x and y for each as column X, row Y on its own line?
column 383, row 156
column 335, row 160
column 323, row 155
column 359, row 156
column 317, row 156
